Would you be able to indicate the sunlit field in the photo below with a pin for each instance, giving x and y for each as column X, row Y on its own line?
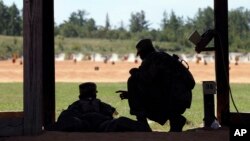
column 66, row 93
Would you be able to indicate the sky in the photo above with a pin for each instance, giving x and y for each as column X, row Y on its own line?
column 120, row 10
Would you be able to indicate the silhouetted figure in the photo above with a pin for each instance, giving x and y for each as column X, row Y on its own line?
column 14, row 58
column 136, row 61
column 205, row 62
column 105, row 59
column 198, row 59
column 160, row 89
column 89, row 114
column 74, row 60
column 237, row 58
column 21, row 62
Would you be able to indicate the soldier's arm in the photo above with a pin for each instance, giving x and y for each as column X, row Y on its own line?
column 107, row 109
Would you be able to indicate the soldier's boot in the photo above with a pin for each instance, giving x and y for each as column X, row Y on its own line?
column 176, row 123
column 144, row 121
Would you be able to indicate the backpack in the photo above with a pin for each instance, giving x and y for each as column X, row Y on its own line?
column 165, row 84
column 183, row 82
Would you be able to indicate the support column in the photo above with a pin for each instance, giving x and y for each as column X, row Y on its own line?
column 221, row 60
column 39, row 67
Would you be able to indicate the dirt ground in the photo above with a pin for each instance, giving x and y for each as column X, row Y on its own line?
column 68, row 71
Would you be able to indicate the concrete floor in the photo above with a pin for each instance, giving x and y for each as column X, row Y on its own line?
column 200, row 134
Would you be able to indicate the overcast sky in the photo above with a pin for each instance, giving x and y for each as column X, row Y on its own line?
column 120, row 10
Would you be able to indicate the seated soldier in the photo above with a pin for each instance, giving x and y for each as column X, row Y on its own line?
column 89, row 114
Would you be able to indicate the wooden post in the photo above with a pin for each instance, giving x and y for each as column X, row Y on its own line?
column 49, row 63
column 39, row 75
column 221, row 60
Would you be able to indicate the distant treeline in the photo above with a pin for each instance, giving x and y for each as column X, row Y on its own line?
column 173, row 29
column 10, row 45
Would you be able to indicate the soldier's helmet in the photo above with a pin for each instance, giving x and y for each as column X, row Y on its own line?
column 144, row 46
column 87, row 90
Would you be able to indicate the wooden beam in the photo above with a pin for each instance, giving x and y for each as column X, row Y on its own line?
column 39, row 78
column 11, row 115
column 221, row 60
column 240, row 119
column 11, row 123
column 11, row 126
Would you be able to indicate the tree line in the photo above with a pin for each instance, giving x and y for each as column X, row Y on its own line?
column 174, row 29
column 11, row 20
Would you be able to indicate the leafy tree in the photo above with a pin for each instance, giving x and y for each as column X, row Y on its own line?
column 69, row 30
column 89, row 27
column 15, row 22
column 204, row 19
column 107, row 22
column 11, row 21
column 90, row 24
column 4, row 16
column 77, row 25
column 239, row 29
column 172, row 27
column 78, row 18
column 164, row 20
column 121, row 28
column 239, row 21
column 138, row 22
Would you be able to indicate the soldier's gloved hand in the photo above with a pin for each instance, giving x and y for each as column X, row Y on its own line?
column 133, row 71
column 123, row 94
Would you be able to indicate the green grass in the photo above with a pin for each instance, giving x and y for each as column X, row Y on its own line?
column 11, row 97
column 66, row 93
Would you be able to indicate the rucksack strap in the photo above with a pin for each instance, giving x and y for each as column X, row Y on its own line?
column 181, row 60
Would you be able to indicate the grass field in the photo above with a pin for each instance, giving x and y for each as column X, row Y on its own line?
column 66, row 93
